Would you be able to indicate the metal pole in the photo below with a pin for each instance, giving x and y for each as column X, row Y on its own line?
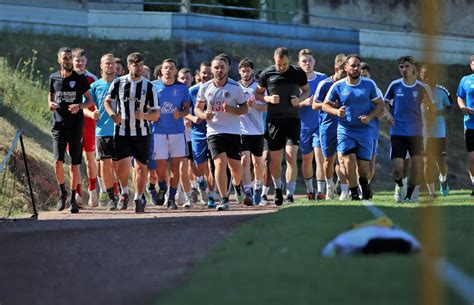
column 35, row 212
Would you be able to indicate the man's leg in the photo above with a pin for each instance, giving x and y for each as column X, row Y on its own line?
column 415, row 175
column 91, row 166
column 246, row 174
column 291, row 156
column 320, row 177
column 307, row 171
column 141, row 175
column 275, row 172
column 470, row 156
column 350, row 164
column 363, row 170
column 220, row 163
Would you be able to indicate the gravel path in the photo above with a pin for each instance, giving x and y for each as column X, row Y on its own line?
column 100, row 257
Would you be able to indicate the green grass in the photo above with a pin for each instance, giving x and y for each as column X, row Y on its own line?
column 276, row 259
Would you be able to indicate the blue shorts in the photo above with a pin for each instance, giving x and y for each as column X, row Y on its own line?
column 309, row 138
column 199, row 147
column 328, row 138
column 361, row 144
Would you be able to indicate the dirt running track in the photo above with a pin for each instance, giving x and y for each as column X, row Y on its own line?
column 100, row 257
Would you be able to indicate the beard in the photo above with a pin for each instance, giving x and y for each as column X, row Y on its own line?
column 67, row 68
column 354, row 75
column 220, row 76
column 135, row 74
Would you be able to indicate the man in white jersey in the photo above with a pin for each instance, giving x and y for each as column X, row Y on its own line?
column 137, row 105
column 220, row 102
column 252, row 128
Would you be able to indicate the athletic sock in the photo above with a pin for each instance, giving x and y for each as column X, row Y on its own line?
column 137, row 196
column 247, row 188
column 309, row 185
column 277, row 183
column 125, row 190
column 194, row 184
column 172, row 193
column 410, row 190
column 399, row 182
column 344, row 187
column 443, row 178
column 354, row 191
column 92, row 184
column 431, row 188
column 62, row 189
column 116, row 188
column 321, row 186
column 258, row 184
column 150, row 186
column 102, row 187
column 110, row 193
column 73, row 196
column 78, row 189
column 364, row 185
column 162, row 185
column 238, row 189
column 265, row 190
column 290, row 187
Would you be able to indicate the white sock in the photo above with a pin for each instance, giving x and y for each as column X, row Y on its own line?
column 431, row 188
column 194, row 184
column 290, row 187
column 137, row 196
column 443, row 178
column 330, row 183
column 247, row 188
column 344, row 187
column 258, row 184
column 321, row 186
column 189, row 195
column 309, row 185
column 102, row 187
column 265, row 190
column 472, row 180
column 277, row 183
column 124, row 189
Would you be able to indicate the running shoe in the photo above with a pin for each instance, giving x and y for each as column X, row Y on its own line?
column 248, row 199
column 123, row 202
column 153, row 196
column 265, row 200
column 311, row 196
column 61, row 202
column 257, row 196
column 112, row 206
column 171, row 203
column 444, row 188
column 223, row 205
column 103, row 199
column 290, row 199
column 139, row 206
column 93, row 200
column 210, row 202
column 278, row 197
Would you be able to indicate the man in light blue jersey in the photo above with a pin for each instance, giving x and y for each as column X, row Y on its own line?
column 168, row 141
column 355, row 97
column 309, row 134
column 199, row 141
column 435, row 133
column 105, row 127
column 252, row 128
column 405, row 97
column 465, row 96
column 328, row 129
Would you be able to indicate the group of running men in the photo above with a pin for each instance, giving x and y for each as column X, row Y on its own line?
column 189, row 139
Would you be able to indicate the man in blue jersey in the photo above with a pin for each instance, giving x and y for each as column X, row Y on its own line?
column 199, row 141
column 252, row 128
column 328, row 129
column 356, row 97
column 309, row 134
column 435, row 133
column 168, row 141
column 105, row 126
column 220, row 102
column 466, row 103
column 287, row 87
column 405, row 97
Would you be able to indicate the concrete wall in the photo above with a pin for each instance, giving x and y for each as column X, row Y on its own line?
column 205, row 28
column 392, row 15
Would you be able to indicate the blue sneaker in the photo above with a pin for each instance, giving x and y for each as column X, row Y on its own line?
column 210, row 202
column 153, row 196
column 257, row 196
column 248, row 201
column 444, row 188
column 160, row 198
column 144, row 200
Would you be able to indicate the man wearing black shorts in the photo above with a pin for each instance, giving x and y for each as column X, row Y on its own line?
column 137, row 105
column 287, row 87
column 66, row 89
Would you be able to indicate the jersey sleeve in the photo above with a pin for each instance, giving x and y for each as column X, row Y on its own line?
column 319, row 95
column 113, row 89
column 389, row 94
column 302, row 78
column 84, row 84
column 373, row 91
column 152, row 97
column 93, row 94
column 239, row 96
column 186, row 99
column 201, row 96
column 333, row 93
column 51, row 84
column 461, row 91
column 262, row 80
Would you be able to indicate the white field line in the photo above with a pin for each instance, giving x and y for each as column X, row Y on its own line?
column 460, row 282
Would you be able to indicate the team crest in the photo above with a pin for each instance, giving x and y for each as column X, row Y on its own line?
column 72, row 83
column 227, row 94
column 415, row 94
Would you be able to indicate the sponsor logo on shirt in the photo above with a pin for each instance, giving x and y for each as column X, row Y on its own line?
column 345, row 92
column 167, row 107
column 415, row 94
column 72, row 83
column 399, row 92
column 227, row 94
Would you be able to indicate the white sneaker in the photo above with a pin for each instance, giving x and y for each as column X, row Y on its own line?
column 204, row 196
column 398, row 194
column 415, row 194
column 345, row 196
column 93, row 200
column 78, row 199
column 187, row 204
column 181, row 196
column 330, row 192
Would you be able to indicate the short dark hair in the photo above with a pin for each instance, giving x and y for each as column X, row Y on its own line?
column 246, row 63
column 403, row 59
column 174, row 61
column 364, row 66
column 78, row 52
column 226, row 58
column 64, row 50
column 281, row 52
column 157, row 72
column 305, row 52
column 185, row 70
column 472, row 58
column 134, row 58
column 118, row 61
column 205, row 64
column 348, row 57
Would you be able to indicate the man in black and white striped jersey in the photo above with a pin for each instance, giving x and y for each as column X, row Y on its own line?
column 137, row 104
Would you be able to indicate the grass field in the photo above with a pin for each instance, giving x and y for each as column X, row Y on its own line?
column 276, row 259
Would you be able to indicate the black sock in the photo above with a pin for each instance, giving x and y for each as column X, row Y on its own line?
column 410, row 190
column 225, row 199
column 399, row 182
column 238, row 189
column 73, row 196
column 110, row 192
column 62, row 189
column 150, row 186
column 364, row 184
column 354, row 191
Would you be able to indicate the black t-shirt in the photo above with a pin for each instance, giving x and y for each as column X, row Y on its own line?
column 67, row 91
column 285, row 85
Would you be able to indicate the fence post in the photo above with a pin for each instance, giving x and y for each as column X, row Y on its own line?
column 35, row 212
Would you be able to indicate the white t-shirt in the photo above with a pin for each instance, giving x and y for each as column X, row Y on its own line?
column 214, row 97
column 251, row 123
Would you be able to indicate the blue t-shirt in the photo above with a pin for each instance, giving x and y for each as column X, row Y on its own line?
column 309, row 117
column 170, row 98
column 442, row 100
column 196, row 129
column 405, row 102
column 326, row 120
column 358, row 101
column 466, row 92
column 105, row 124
